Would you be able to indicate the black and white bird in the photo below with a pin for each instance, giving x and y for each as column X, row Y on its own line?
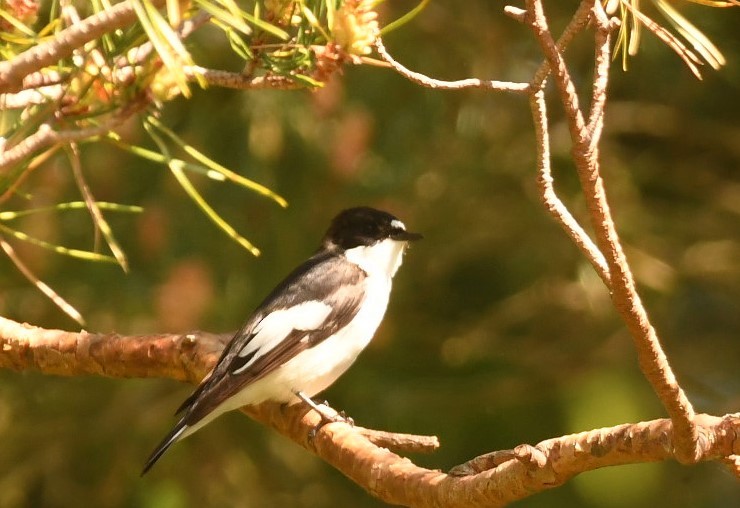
column 310, row 329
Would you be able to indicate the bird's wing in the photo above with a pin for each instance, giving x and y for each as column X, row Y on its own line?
column 311, row 304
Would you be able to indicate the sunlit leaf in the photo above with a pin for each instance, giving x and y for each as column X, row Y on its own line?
column 8, row 215
column 65, row 251
column 634, row 18
column 313, row 21
column 398, row 23
column 174, row 13
column 306, row 80
column 97, row 216
column 52, row 295
column 715, row 3
column 182, row 179
column 225, row 16
column 698, row 40
column 216, row 167
column 635, row 31
column 165, row 42
column 177, row 170
column 689, row 58
column 18, row 24
column 233, row 16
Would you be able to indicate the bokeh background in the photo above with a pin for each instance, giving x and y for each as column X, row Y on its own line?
column 498, row 332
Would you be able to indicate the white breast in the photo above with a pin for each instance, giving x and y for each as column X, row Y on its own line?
column 381, row 259
column 316, row 368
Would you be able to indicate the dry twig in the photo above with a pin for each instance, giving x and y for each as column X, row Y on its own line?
column 426, row 81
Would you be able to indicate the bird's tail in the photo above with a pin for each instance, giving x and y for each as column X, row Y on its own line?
column 169, row 440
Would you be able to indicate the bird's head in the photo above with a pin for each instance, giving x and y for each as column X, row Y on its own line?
column 364, row 227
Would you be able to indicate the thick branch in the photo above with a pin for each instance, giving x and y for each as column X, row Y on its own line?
column 394, row 479
column 185, row 357
column 651, row 441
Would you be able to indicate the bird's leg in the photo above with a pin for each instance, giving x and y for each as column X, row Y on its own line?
column 341, row 416
column 331, row 416
column 326, row 417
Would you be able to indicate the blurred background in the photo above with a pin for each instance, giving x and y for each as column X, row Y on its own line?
column 498, row 332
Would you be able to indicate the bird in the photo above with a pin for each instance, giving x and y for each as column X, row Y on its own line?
column 309, row 329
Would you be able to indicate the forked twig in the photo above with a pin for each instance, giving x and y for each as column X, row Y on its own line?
column 552, row 202
column 653, row 361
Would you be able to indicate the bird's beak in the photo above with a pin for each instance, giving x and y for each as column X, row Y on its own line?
column 406, row 236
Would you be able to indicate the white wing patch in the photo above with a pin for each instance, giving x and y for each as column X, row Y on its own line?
column 277, row 325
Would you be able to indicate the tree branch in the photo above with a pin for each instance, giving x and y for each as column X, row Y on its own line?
column 653, row 361
column 186, row 357
column 651, row 441
column 493, row 479
column 365, row 455
column 239, row 81
column 552, row 202
column 63, row 44
column 426, row 81
column 45, row 136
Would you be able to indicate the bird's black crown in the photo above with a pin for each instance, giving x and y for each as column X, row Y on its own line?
column 363, row 225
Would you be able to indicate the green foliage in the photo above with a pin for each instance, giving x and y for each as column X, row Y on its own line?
column 90, row 93
column 634, row 20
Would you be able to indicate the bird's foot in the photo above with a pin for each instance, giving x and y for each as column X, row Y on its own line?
column 326, row 412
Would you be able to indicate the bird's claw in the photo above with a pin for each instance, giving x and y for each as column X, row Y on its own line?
column 330, row 416
column 346, row 419
column 340, row 417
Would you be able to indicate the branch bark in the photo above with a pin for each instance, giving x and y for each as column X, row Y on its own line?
column 493, row 479
column 606, row 253
column 46, row 137
column 426, row 81
column 13, row 72
column 653, row 361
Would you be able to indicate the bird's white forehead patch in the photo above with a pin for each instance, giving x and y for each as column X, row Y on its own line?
column 395, row 223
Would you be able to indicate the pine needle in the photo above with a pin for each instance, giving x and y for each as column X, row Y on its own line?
column 52, row 295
